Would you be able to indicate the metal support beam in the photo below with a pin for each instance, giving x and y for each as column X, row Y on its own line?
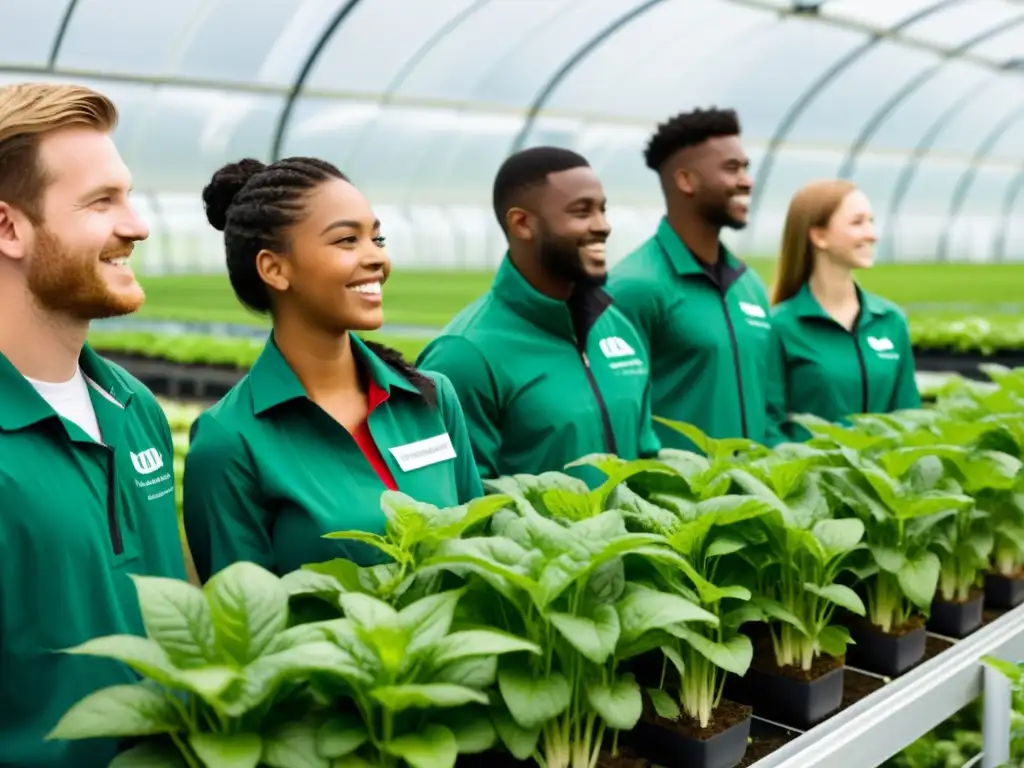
column 908, row 89
column 580, row 55
column 963, row 184
column 307, row 67
column 909, row 170
column 805, row 99
column 62, row 30
column 1013, row 190
column 995, row 723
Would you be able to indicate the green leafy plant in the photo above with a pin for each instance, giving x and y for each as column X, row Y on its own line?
column 225, row 678
column 563, row 585
column 804, row 552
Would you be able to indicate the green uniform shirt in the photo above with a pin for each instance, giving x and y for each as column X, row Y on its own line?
column 76, row 518
column 707, row 328
column 545, row 382
column 817, row 366
column 268, row 472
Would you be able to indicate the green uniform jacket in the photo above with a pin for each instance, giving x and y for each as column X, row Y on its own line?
column 545, row 382
column 76, row 519
column 816, row 366
column 707, row 331
column 268, row 472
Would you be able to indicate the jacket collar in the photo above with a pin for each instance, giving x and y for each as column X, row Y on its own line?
column 21, row 406
column 807, row 306
column 556, row 317
column 273, row 382
column 685, row 263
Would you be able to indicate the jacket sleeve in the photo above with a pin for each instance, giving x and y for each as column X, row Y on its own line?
column 776, row 399
column 650, row 443
column 473, row 382
column 467, row 477
column 226, row 519
column 906, row 393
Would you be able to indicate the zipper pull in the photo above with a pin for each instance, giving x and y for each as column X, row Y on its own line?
column 586, row 362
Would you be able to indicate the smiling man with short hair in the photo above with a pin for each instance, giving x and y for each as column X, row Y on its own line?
column 546, row 368
column 702, row 312
column 86, row 475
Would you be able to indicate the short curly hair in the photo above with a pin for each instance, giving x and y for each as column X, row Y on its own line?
column 688, row 129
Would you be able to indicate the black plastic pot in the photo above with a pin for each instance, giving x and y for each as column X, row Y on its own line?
column 956, row 619
column 798, row 703
column 889, row 655
column 1002, row 592
column 670, row 749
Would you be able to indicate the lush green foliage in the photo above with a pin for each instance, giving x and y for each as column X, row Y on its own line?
column 518, row 621
column 981, row 335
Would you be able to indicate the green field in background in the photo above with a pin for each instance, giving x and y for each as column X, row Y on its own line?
column 431, row 297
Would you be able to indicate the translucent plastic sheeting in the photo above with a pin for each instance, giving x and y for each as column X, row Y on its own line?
column 236, row 41
column 28, row 30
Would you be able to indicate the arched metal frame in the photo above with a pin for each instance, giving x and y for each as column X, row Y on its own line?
column 908, row 89
column 903, row 181
column 966, row 179
column 595, row 42
column 62, row 30
column 295, row 91
column 802, row 102
column 1013, row 190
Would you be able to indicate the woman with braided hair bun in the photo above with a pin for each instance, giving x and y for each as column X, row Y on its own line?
column 324, row 422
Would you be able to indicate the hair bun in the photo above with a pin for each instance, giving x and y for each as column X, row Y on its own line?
column 225, row 186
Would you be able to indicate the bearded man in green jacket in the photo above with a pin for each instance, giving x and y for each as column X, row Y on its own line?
column 703, row 313
column 547, row 369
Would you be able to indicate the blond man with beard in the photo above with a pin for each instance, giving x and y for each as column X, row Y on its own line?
column 86, row 478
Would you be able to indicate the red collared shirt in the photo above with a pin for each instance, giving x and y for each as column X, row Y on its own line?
column 375, row 396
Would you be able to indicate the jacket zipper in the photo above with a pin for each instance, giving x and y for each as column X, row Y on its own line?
column 855, row 338
column 736, row 363
column 606, row 421
column 116, row 538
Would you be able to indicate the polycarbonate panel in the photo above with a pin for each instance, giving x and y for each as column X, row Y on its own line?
column 970, row 125
column 632, row 64
column 910, row 120
column 224, row 40
column 103, row 37
column 370, row 52
column 880, row 14
column 876, row 175
column 841, row 109
column 1010, row 148
column 961, row 21
column 793, row 168
column 452, row 68
column 28, row 30
column 973, row 232
column 406, row 154
column 760, row 72
column 244, row 41
column 1003, row 47
column 520, row 73
column 925, row 208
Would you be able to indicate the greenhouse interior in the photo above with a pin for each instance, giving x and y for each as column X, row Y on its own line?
column 912, row 508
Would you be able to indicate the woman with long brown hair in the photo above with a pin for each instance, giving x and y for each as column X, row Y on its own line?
column 836, row 349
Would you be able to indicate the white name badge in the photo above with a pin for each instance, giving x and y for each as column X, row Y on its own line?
column 423, row 453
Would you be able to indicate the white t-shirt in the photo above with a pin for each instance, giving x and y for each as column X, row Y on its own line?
column 70, row 399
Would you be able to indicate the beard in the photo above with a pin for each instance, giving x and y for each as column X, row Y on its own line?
column 561, row 259
column 70, row 282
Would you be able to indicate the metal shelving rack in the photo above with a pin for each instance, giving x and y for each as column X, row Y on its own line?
column 883, row 723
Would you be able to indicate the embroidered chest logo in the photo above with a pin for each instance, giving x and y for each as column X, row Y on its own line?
column 883, row 347
column 147, row 462
column 755, row 315
column 622, row 356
